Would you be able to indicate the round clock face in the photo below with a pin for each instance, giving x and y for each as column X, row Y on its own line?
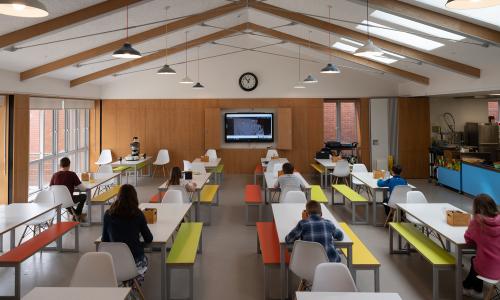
column 248, row 82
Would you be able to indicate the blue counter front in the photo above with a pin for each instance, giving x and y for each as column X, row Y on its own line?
column 480, row 180
column 450, row 178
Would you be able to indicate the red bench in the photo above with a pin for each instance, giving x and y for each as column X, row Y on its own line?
column 156, row 198
column 268, row 244
column 16, row 256
column 259, row 171
column 253, row 197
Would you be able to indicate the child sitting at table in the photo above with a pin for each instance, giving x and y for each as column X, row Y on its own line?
column 313, row 228
column 177, row 183
column 483, row 234
column 288, row 181
column 391, row 183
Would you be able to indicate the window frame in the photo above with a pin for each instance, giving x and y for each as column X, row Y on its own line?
column 338, row 112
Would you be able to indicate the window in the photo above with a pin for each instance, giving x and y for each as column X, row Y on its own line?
column 55, row 133
column 340, row 121
column 493, row 110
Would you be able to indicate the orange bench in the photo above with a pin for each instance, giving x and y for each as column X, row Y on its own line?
column 16, row 256
column 253, row 197
column 156, row 198
column 259, row 171
column 268, row 244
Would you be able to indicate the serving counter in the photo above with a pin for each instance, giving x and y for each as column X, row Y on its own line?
column 480, row 179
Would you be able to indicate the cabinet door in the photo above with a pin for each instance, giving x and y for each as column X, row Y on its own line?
column 284, row 128
column 213, row 128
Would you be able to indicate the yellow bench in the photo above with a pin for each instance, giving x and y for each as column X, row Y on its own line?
column 219, row 173
column 104, row 198
column 439, row 258
column 321, row 170
column 318, row 195
column 209, row 195
column 353, row 197
column 362, row 258
column 188, row 242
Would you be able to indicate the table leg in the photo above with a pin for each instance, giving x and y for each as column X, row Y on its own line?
column 282, row 270
column 458, row 272
column 12, row 238
column 58, row 216
column 88, row 201
column 1, row 243
column 136, row 171
column 376, row 199
column 197, row 207
column 163, row 264
column 349, row 259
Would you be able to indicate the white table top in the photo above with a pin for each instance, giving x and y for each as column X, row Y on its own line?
column 346, row 296
column 271, row 179
column 210, row 163
column 77, row 293
column 368, row 180
column 130, row 162
column 168, row 218
column 433, row 215
column 287, row 215
column 199, row 179
column 327, row 163
column 16, row 214
column 267, row 160
column 99, row 178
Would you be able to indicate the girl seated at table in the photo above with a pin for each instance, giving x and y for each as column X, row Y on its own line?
column 124, row 222
column 177, row 183
column 484, row 235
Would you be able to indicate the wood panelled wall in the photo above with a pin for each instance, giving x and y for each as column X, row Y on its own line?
column 20, row 159
column 413, row 136
column 4, row 132
column 178, row 125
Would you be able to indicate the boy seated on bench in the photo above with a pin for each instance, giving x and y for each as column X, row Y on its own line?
column 391, row 183
column 313, row 228
column 288, row 181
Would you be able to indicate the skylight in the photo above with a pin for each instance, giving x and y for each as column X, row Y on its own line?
column 344, row 47
column 416, row 26
column 401, row 37
column 383, row 59
column 351, row 41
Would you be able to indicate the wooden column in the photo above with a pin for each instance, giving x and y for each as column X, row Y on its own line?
column 364, row 147
column 4, row 133
column 94, row 135
column 20, row 156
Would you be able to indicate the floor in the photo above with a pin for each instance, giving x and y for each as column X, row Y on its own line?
column 229, row 267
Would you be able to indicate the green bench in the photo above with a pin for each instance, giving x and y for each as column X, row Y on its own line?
column 188, row 242
column 219, row 174
column 209, row 196
column 354, row 198
column 318, row 195
column 321, row 170
column 121, row 170
column 439, row 258
column 104, row 199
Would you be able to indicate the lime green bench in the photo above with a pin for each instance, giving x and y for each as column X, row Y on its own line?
column 362, row 258
column 318, row 195
column 188, row 242
column 439, row 258
column 209, row 196
column 122, row 170
column 354, row 198
column 104, row 198
column 219, row 173
column 321, row 170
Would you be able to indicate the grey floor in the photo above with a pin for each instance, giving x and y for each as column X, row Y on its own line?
column 229, row 267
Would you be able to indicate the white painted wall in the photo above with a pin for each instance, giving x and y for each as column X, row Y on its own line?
column 10, row 84
column 379, row 128
column 463, row 110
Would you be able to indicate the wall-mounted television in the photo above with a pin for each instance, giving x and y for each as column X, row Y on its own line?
column 248, row 127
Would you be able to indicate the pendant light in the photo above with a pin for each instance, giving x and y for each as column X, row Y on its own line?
column 166, row 69
column 471, row 4
column 310, row 78
column 198, row 85
column 186, row 80
column 299, row 84
column 23, row 8
column 368, row 49
column 330, row 68
column 127, row 51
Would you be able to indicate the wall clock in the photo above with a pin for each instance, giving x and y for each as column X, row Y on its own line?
column 248, row 82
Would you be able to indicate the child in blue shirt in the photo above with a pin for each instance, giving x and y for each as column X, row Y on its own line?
column 392, row 182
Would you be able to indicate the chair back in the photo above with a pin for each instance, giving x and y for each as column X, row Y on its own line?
column 45, row 197
column 162, row 158
column 187, row 165
column 293, row 197
column 62, row 196
column 360, row 168
column 105, row 157
column 398, row 195
column 212, row 154
column 342, row 168
column 271, row 153
column 123, row 260
column 172, row 196
column 105, row 169
column 305, row 257
column 198, row 167
column 333, row 277
column 94, row 269
column 415, row 197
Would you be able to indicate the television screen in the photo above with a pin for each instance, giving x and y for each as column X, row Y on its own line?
column 249, row 127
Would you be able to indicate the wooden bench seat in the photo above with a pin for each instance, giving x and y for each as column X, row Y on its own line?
column 17, row 255
column 258, row 171
column 321, row 171
column 105, row 198
column 188, row 243
column 209, row 195
column 253, row 197
column 354, row 198
column 318, row 195
column 362, row 258
column 438, row 257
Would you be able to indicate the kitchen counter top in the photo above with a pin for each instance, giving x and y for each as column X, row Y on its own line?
column 490, row 168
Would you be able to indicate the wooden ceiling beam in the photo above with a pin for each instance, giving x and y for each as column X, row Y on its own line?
column 390, row 46
column 134, row 39
column 157, row 55
column 340, row 54
column 63, row 21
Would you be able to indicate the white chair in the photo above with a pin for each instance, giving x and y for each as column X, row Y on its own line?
column 124, row 263
column 342, row 171
column 294, row 197
column 212, row 154
column 304, row 259
column 105, row 158
column 198, row 167
column 172, row 196
column 333, row 277
column 415, row 197
column 104, row 170
column 271, row 153
column 162, row 160
column 63, row 197
column 357, row 184
column 94, row 269
column 44, row 221
column 492, row 288
column 187, row 165
column 398, row 195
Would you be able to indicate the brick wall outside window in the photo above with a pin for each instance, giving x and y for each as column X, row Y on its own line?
column 493, row 110
column 347, row 123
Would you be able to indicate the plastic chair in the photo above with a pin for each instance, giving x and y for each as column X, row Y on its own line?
column 187, row 165
column 63, row 197
column 492, row 288
column 198, row 167
column 123, row 262
column 304, row 259
column 294, row 197
column 333, row 277
column 398, row 195
column 212, row 154
column 94, row 269
column 271, row 153
column 41, row 222
column 162, row 159
column 172, row 196
column 105, row 158
column 342, row 170
column 415, row 197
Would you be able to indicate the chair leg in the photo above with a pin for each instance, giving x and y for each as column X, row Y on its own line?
column 139, row 289
column 164, row 172
column 23, row 235
column 389, row 217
